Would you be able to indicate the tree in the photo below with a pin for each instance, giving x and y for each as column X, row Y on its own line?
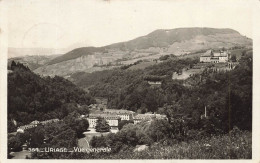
column 65, row 139
column 76, row 123
column 37, row 137
column 164, row 57
column 81, row 127
column 122, row 123
column 233, row 58
column 11, row 127
column 173, row 56
column 243, row 52
column 151, row 101
column 14, row 144
column 159, row 130
column 171, row 111
column 128, row 135
column 98, row 141
column 102, row 125
column 13, row 65
column 93, row 141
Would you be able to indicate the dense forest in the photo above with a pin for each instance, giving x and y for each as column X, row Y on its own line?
column 31, row 97
column 128, row 89
column 227, row 95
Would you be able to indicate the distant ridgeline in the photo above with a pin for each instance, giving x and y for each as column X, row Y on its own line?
column 31, row 97
column 160, row 44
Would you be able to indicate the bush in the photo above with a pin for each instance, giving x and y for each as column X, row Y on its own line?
column 159, row 130
column 122, row 123
column 164, row 57
column 102, row 125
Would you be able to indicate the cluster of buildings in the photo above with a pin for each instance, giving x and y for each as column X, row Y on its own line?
column 35, row 123
column 215, row 57
column 155, row 83
column 113, row 117
column 210, row 60
column 112, row 120
column 222, row 58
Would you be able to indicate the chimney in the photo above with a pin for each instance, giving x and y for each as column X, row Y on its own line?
column 205, row 111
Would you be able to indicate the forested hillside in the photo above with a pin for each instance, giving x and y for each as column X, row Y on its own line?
column 31, row 97
column 223, row 132
column 226, row 95
column 129, row 89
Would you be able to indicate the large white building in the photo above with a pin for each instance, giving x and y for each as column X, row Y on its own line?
column 114, row 116
column 148, row 117
column 215, row 57
column 126, row 116
column 112, row 120
column 123, row 114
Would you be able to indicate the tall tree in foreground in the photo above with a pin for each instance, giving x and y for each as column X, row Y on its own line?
column 102, row 125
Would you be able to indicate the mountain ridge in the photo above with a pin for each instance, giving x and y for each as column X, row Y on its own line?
column 150, row 47
column 157, row 38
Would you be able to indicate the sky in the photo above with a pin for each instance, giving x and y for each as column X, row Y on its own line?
column 69, row 24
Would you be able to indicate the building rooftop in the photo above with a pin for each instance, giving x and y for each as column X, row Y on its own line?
column 118, row 111
column 161, row 116
column 35, row 122
column 106, row 116
column 145, row 116
column 211, row 53
column 220, row 54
